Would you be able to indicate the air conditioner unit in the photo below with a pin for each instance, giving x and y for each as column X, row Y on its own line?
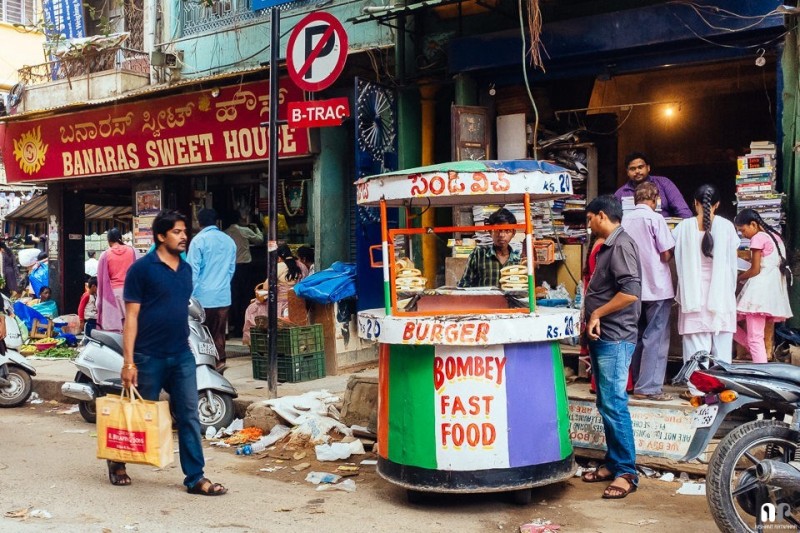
column 171, row 60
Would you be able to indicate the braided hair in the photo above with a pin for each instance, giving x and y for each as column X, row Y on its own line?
column 748, row 216
column 707, row 195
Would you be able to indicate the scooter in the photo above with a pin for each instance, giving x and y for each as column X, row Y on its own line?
column 100, row 365
column 16, row 372
column 753, row 479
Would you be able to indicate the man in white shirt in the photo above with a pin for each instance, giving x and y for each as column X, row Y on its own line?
column 90, row 265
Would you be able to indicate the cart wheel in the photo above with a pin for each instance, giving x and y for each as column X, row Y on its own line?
column 415, row 496
column 521, row 497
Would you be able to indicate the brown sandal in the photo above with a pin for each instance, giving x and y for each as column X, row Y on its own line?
column 596, row 477
column 615, row 492
column 204, row 487
column 117, row 474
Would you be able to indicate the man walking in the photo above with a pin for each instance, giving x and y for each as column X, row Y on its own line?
column 155, row 341
column 612, row 307
column 638, row 168
column 212, row 256
column 655, row 242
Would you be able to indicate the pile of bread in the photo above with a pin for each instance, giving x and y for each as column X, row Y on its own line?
column 514, row 278
column 408, row 278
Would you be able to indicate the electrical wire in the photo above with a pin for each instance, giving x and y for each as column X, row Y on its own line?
column 528, row 85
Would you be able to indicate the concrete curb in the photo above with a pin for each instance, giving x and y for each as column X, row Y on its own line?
column 50, row 389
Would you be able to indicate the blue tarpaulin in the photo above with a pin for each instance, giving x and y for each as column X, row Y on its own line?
column 330, row 285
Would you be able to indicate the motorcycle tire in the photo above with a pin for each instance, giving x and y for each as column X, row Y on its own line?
column 19, row 388
column 721, row 470
column 219, row 413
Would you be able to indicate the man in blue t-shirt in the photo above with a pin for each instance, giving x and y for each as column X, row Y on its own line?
column 157, row 291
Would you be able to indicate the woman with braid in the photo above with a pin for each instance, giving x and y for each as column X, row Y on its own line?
column 765, row 295
column 705, row 258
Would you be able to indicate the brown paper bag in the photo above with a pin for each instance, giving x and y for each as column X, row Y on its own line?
column 133, row 430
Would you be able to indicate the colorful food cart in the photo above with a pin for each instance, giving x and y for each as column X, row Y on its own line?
column 472, row 396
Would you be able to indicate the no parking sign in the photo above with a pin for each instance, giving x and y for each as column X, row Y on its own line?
column 316, row 51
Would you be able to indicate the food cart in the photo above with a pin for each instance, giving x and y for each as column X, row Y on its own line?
column 472, row 396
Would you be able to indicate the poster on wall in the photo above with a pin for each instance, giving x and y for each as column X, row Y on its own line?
column 148, row 203
column 143, row 232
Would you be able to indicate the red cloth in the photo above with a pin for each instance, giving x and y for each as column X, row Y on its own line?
column 82, row 305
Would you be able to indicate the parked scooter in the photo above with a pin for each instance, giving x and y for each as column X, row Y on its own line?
column 16, row 372
column 753, row 479
column 100, row 365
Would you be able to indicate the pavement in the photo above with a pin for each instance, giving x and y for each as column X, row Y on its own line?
column 52, row 373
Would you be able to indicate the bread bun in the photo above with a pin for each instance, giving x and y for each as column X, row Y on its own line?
column 409, row 273
column 514, row 270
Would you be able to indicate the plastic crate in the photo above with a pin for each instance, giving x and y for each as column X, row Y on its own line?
column 300, row 340
column 260, row 367
column 297, row 368
column 259, row 342
column 296, row 340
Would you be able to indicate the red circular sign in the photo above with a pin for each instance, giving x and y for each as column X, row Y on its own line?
column 316, row 51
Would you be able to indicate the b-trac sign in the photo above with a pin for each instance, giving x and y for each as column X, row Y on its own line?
column 319, row 113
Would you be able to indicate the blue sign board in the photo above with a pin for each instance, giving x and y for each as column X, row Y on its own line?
column 64, row 19
column 263, row 4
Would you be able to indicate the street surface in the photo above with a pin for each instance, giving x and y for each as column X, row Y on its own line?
column 47, row 462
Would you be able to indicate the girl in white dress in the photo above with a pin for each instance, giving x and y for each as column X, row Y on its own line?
column 705, row 258
column 765, row 296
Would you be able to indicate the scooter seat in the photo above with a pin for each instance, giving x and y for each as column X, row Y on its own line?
column 774, row 370
column 108, row 338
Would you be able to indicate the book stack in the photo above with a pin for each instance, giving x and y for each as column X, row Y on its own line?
column 755, row 185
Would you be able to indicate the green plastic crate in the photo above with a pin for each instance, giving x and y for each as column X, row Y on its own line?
column 259, row 342
column 297, row 368
column 296, row 340
column 300, row 340
column 292, row 369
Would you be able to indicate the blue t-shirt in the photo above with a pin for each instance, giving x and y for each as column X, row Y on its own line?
column 164, row 297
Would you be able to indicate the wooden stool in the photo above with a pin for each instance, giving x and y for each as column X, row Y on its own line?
column 36, row 334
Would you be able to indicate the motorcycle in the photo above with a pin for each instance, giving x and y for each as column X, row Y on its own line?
column 753, row 478
column 16, row 383
column 100, row 365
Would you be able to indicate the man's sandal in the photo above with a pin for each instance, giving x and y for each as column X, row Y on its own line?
column 595, row 477
column 117, row 474
column 204, row 487
column 615, row 492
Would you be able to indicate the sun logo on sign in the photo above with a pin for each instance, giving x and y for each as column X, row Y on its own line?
column 30, row 151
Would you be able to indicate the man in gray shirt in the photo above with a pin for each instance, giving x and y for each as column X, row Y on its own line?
column 612, row 309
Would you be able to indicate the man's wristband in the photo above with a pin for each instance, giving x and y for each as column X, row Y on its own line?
column 129, row 366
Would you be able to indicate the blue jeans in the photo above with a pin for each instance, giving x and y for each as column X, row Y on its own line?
column 610, row 362
column 176, row 375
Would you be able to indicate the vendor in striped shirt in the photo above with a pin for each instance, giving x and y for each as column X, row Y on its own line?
column 485, row 262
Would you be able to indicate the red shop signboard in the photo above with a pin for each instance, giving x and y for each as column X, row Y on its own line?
column 180, row 131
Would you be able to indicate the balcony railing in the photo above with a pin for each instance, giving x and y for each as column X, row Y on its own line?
column 86, row 64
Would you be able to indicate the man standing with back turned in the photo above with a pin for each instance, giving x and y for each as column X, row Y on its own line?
column 155, row 342
column 212, row 256
column 612, row 308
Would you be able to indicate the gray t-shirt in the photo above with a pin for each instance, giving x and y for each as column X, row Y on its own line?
column 617, row 270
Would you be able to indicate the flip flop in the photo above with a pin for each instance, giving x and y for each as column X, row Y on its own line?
column 613, row 492
column 117, row 474
column 204, row 487
column 595, row 477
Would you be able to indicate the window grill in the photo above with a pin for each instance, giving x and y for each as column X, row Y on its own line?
column 18, row 12
column 197, row 17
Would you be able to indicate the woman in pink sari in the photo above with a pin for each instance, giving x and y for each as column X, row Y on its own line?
column 111, row 271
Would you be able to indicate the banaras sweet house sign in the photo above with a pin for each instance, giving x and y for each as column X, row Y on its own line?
column 208, row 127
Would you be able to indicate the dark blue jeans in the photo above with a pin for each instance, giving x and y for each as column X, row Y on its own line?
column 610, row 363
column 176, row 375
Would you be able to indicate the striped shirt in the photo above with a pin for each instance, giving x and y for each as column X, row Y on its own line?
column 483, row 267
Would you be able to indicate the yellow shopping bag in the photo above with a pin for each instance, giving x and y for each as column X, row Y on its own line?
column 133, row 430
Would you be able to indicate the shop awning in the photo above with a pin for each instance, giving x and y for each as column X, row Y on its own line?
column 36, row 211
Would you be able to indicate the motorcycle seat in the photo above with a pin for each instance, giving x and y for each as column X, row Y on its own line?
column 775, row 370
column 112, row 340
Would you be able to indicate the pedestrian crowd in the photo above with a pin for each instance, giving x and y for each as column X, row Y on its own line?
column 629, row 294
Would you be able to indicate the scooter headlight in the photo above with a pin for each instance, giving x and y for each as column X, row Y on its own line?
column 196, row 310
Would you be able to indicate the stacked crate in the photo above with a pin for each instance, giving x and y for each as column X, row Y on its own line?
column 301, row 353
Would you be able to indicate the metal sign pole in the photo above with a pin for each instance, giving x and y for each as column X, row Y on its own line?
column 272, row 239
